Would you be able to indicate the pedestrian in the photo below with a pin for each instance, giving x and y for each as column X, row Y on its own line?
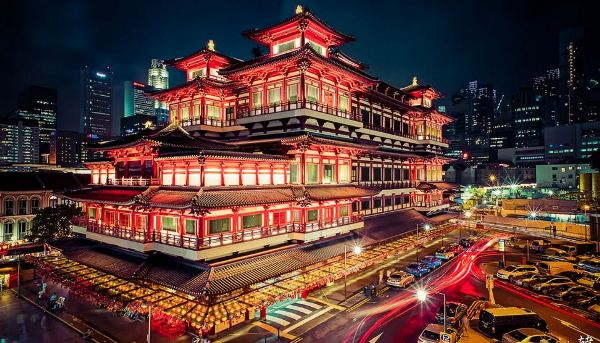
column 42, row 290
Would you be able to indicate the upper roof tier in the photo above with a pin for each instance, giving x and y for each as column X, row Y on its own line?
column 303, row 22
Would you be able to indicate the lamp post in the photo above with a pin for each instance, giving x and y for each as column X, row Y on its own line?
column 427, row 227
column 422, row 296
column 357, row 250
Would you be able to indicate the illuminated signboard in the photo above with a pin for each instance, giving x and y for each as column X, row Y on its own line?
column 99, row 74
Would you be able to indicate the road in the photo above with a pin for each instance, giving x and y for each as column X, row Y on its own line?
column 397, row 317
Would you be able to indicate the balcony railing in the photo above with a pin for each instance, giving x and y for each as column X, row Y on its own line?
column 388, row 130
column 197, row 243
column 433, row 138
column 133, row 181
column 208, row 121
column 244, row 112
column 389, row 184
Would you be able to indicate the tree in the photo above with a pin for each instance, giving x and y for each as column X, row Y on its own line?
column 53, row 222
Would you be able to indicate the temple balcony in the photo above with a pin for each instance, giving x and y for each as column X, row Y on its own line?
column 133, row 181
column 425, row 139
column 210, row 124
column 212, row 246
column 248, row 115
column 388, row 184
column 432, row 206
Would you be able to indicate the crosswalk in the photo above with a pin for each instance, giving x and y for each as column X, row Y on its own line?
column 292, row 312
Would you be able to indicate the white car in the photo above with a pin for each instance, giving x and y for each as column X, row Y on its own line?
column 512, row 271
column 400, row 279
column 527, row 335
column 433, row 334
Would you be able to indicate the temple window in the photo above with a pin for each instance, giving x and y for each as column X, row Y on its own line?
column 365, row 204
column 387, row 174
column 316, row 47
column 185, row 113
column 213, row 112
column 264, row 176
column 286, row 46
column 229, row 113
column 312, row 216
column 92, row 213
column 294, row 173
column 397, row 174
column 219, row 225
column 344, row 172
column 279, row 218
column 377, row 203
column 22, row 206
column 426, row 102
column 232, row 176
column 180, row 177
column 194, row 177
column 365, row 174
column 167, row 177
column 293, row 92
column 35, row 204
column 312, row 173
column 388, row 201
column 278, row 177
column 343, row 103
column 328, row 96
column 312, row 93
column 257, row 99
column 95, row 176
column 328, row 173
column 190, row 226
column 344, row 211
column 376, row 120
column 377, row 174
column 248, row 177
column 252, row 221
column 366, row 116
column 169, row 223
column 197, row 73
column 275, row 96
column 197, row 110
column 111, row 174
column 173, row 113
column 212, row 176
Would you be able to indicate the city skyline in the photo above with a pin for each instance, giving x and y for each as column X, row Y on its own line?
column 69, row 52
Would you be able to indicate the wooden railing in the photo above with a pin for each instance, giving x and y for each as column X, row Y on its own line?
column 133, row 181
column 197, row 243
column 244, row 112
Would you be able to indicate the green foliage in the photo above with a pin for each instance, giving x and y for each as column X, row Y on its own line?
column 53, row 222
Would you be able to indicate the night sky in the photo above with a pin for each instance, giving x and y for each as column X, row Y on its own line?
column 445, row 43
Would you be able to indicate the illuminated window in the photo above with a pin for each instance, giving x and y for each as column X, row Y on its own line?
column 197, row 73
column 328, row 173
column 185, row 113
column 284, row 47
column 252, row 221
column 318, row 48
column 344, row 103
column 213, row 112
column 257, row 99
column 311, row 93
column 344, row 173
column 293, row 172
column 275, row 96
column 344, row 211
column 92, row 212
column 293, row 92
column 169, row 223
column 219, row 225
column 312, row 173
column 312, row 216
column 190, row 226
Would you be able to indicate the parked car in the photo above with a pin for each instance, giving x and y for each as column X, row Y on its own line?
column 540, row 245
column 558, row 292
column 433, row 334
column 400, row 279
column 554, row 267
column 497, row 321
column 529, row 283
column 576, row 297
column 432, row 262
column 571, row 274
column 518, row 280
column 527, row 335
column 555, row 254
column 512, row 271
column 591, row 280
column 545, row 286
column 445, row 253
column 586, row 303
column 455, row 312
column 417, row 269
column 591, row 265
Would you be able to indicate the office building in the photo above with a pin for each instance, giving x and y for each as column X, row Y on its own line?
column 19, row 140
column 528, row 119
column 96, row 101
column 135, row 99
column 40, row 104
column 158, row 77
column 136, row 123
column 562, row 176
column 65, row 148
column 573, row 143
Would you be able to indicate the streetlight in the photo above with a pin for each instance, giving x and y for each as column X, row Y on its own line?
column 356, row 249
column 422, row 296
column 427, row 227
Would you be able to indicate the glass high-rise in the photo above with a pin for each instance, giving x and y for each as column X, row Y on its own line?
column 158, row 77
column 96, row 101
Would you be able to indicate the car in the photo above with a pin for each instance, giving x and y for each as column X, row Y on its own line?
column 417, row 269
column 527, row 335
column 595, row 310
column 466, row 242
column 400, row 279
column 589, row 301
column 591, row 280
column 555, row 254
column 540, row 245
column 591, row 265
column 455, row 312
column 544, row 287
column 432, row 262
column 512, row 271
column 575, row 298
column 571, row 274
column 529, row 283
column 554, row 267
column 433, row 334
column 445, row 253
column 558, row 292
column 518, row 280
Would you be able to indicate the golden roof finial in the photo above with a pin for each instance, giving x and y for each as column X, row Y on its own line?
column 210, row 45
column 414, row 82
column 299, row 9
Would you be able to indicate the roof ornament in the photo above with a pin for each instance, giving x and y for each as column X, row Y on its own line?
column 299, row 9
column 414, row 81
column 210, row 45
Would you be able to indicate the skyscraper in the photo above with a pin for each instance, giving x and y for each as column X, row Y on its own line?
column 547, row 90
column 39, row 104
column 158, row 77
column 528, row 118
column 19, row 140
column 96, row 101
column 65, row 148
column 139, row 111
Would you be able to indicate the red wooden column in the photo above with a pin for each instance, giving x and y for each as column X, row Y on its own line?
column 173, row 165
column 320, row 166
column 201, row 229
column 271, row 174
column 302, row 85
column 265, row 102
column 302, row 167
column 337, row 168
column 187, row 173
column 284, row 97
column 235, row 225
column 256, row 169
column 241, row 170
column 181, row 228
column 222, row 166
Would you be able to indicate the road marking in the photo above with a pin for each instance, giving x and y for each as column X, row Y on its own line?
column 575, row 328
column 307, row 319
column 313, row 305
column 274, row 330
column 299, row 309
column 277, row 320
column 288, row 314
column 330, row 304
column 376, row 338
